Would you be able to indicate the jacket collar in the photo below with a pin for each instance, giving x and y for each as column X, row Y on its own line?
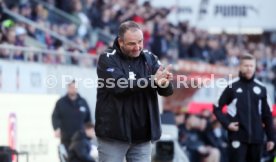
column 243, row 79
column 67, row 97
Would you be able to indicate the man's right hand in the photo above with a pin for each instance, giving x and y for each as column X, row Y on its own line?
column 233, row 126
column 163, row 76
column 203, row 150
column 57, row 133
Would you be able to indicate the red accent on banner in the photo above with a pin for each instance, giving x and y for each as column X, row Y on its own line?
column 197, row 108
column 274, row 110
column 12, row 129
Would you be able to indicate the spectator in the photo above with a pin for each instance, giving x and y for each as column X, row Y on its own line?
column 4, row 53
column 183, row 46
column 197, row 149
column 81, row 146
column 11, row 2
column 26, row 10
column 11, row 36
column 198, row 50
column 41, row 14
column 65, row 5
column 1, row 37
column 232, row 57
column 95, row 13
column 84, row 20
column 20, row 35
column 217, row 54
column 220, row 137
column 158, row 44
column 182, row 135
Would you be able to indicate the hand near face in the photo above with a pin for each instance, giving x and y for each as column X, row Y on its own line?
column 163, row 76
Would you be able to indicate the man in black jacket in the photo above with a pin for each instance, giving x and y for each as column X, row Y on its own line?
column 249, row 114
column 80, row 148
column 70, row 114
column 127, row 115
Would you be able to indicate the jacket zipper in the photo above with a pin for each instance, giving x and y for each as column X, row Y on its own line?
column 249, row 115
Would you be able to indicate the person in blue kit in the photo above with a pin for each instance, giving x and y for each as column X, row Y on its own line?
column 249, row 114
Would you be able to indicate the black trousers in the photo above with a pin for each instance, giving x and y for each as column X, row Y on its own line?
column 245, row 152
column 66, row 143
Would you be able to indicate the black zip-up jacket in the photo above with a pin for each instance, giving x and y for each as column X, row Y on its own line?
column 80, row 147
column 121, row 112
column 248, row 104
column 70, row 116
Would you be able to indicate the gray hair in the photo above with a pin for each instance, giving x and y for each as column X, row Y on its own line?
column 128, row 25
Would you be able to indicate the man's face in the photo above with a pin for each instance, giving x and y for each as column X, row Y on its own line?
column 90, row 133
column 132, row 43
column 11, row 36
column 247, row 68
column 72, row 90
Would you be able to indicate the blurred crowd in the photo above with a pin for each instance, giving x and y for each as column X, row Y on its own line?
column 18, row 33
column 203, row 138
column 170, row 42
column 166, row 40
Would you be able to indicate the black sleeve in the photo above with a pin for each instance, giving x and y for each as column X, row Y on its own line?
column 166, row 91
column 225, row 99
column 109, row 73
column 82, row 152
column 56, row 116
column 267, row 117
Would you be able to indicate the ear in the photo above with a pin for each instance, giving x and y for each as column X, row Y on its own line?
column 120, row 41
